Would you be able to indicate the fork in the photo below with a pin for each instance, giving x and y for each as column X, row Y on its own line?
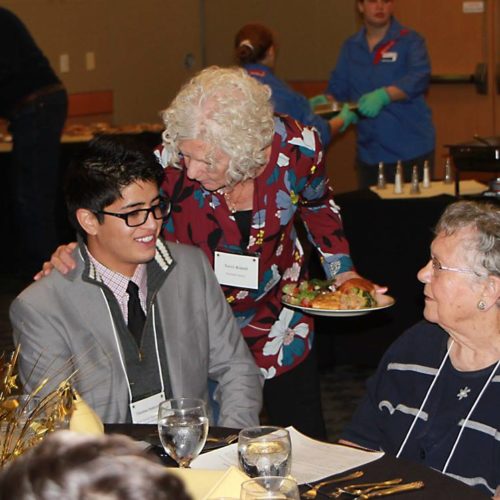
column 390, row 491
column 225, row 440
column 313, row 492
column 358, row 489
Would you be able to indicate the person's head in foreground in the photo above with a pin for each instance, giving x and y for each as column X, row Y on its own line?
column 221, row 124
column 113, row 199
column 462, row 278
column 71, row 466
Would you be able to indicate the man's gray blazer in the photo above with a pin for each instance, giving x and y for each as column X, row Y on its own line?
column 63, row 324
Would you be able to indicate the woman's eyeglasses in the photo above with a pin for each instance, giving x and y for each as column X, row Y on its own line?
column 140, row 216
column 437, row 266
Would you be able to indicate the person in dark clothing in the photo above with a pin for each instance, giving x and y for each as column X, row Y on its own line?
column 434, row 397
column 34, row 101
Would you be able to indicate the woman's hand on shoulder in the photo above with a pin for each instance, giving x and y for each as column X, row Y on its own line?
column 61, row 259
column 342, row 277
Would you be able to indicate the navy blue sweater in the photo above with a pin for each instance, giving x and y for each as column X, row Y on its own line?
column 23, row 67
column 396, row 392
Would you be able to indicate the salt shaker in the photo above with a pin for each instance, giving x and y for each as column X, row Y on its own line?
column 381, row 184
column 447, row 172
column 426, row 181
column 398, row 179
column 415, row 188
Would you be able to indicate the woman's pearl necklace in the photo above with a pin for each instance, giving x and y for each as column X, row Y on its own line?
column 233, row 204
column 229, row 203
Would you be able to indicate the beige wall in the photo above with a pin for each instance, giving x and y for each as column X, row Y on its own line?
column 138, row 54
column 140, row 47
column 309, row 38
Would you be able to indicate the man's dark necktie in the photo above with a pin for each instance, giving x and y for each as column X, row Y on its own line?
column 136, row 317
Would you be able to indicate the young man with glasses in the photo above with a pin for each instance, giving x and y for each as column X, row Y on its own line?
column 138, row 320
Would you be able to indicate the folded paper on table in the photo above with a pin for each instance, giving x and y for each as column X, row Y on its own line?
column 84, row 419
column 311, row 460
column 437, row 188
column 210, row 484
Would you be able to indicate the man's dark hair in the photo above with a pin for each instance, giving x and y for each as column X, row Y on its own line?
column 66, row 465
column 110, row 163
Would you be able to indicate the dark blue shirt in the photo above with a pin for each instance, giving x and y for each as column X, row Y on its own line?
column 403, row 130
column 396, row 392
column 288, row 102
column 23, row 67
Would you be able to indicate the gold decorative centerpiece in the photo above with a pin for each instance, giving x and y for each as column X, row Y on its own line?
column 25, row 419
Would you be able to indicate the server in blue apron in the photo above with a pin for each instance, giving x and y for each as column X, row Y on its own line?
column 385, row 68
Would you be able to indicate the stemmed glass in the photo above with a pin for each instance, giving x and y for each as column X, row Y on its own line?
column 183, row 428
column 270, row 488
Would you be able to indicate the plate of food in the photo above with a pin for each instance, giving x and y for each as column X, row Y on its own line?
column 354, row 297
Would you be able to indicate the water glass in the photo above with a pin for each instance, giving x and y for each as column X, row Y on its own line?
column 183, row 428
column 265, row 451
column 270, row 488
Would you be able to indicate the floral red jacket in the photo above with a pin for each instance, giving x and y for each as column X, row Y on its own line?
column 293, row 181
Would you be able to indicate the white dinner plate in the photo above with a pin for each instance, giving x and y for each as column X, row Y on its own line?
column 383, row 302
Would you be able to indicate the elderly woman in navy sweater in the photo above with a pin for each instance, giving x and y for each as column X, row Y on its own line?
column 435, row 396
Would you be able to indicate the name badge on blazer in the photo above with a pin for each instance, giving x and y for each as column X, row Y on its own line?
column 389, row 57
column 145, row 411
column 241, row 271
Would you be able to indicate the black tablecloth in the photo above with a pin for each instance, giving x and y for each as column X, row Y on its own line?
column 437, row 485
column 390, row 242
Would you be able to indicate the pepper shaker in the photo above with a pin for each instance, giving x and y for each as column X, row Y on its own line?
column 381, row 184
column 415, row 188
column 398, row 179
column 426, row 181
column 448, row 178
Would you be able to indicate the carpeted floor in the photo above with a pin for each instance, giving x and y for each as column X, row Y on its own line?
column 342, row 387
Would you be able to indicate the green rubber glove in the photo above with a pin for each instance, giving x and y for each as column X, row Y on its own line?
column 370, row 104
column 348, row 116
column 317, row 100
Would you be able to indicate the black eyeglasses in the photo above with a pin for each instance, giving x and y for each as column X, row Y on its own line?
column 140, row 216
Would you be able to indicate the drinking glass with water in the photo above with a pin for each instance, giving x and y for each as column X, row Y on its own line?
column 183, row 428
column 270, row 488
column 265, row 451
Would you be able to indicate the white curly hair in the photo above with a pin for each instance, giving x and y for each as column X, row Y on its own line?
column 228, row 110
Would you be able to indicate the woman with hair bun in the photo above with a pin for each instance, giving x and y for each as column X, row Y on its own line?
column 255, row 50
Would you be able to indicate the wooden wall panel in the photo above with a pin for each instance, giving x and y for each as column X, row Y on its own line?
column 90, row 103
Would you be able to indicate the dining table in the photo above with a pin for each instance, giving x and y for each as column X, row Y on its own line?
column 437, row 486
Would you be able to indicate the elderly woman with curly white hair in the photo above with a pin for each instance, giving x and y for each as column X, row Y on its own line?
column 236, row 175
column 436, row 395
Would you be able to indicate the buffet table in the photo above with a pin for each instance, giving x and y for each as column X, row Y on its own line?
column 437, row 485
